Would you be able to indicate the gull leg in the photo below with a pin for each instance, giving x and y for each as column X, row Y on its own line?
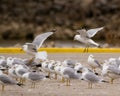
column 87, row 49
column 90, row 85
column 34, row 85
column 3, row 87
column 23, row 81
column 55, row 76
column 49, row 74
column 111, row 81
column 63, row 79
column 68, row 82
column 84, row 50
column 20, row 80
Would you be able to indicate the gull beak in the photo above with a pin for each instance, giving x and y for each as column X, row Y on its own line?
column 21, row 49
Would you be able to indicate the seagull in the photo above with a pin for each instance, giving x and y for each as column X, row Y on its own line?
column 93, row 63
column 85, row 37
column 20, row 70
column 13, row 60
column 69, row 63
column 34, row 77
column 32, row 48
column 41, row 56
column 7, row 80
column 44, row 65
column 12, row 73
column 51, row 67
column 110, row 70
column 68, row 73
column 91, row 77
column 58, row 68
column 78, row 67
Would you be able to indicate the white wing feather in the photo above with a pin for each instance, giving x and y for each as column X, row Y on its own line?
column 41, row 55
column 38, row 41
column 92, row 32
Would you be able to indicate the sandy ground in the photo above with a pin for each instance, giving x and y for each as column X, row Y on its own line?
column 56, row 88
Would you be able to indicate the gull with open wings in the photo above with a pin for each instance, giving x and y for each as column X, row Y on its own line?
column 32, row 48
column 85, row 37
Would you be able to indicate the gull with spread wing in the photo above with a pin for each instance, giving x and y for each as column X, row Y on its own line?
column 85, row 37
column 32, row 48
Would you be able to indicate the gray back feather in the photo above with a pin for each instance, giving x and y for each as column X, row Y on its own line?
column 70, row 72
column 7, row 80
column 36, row 76
column 38, row 41
column 92, row 77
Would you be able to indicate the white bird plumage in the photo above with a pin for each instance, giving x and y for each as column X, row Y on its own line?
column 91, row 77
column 93, row 63
column 86, row 35
column 7, row 80
column 34, row 77
column 110, row 70
column 32, row 48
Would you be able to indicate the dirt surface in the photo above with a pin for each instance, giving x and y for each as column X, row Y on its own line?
column 51, row 87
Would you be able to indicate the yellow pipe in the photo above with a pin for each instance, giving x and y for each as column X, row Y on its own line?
column 64, row 50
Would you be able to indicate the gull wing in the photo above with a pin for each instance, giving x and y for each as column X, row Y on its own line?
column 97, row 63
column 36, row 76
column 92, row 32
column 32, row 47
column 70, row 72
column 38, row 41
column 41, row 55
column 114, row 70
column 92, row 77
column 82, row 32
column 7, row 80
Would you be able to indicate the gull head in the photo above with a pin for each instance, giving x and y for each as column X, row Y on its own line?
column 25, row 47
column 76, row 37
column 2, row 58
column 91, row 56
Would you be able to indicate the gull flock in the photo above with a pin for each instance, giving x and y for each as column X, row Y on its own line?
column 18, row 71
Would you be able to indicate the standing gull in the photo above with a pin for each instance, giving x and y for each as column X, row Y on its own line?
column 7, row 80
column 85, row 37
column 93, row 63
column 68, row 73
column 111, row 71
column 32, row 48
column 34, row 77
column 91, row 77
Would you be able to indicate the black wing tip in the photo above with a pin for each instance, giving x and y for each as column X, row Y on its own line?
column 19, row 84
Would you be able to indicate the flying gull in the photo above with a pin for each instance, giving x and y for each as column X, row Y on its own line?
column 85, row 37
